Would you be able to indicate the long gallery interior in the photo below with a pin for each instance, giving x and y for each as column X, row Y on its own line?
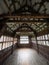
column 24, row 32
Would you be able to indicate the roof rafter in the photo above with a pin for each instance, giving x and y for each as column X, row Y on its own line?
column 39, row 26
column 26, row 26
column 7, row 6
column 13, row 2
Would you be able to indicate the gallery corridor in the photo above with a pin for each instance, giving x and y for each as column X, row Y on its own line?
column 24, row 32
column 25, row 56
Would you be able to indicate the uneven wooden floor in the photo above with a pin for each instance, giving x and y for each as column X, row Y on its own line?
column 25, row 56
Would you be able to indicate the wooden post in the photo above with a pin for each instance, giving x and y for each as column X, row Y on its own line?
column 12, row 47
column 18, row 40
column 2, row 46
column 37, row 44
column 30, row 43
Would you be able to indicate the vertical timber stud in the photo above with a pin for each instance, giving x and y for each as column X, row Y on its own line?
column 18, row 40
column 3, row 42
column 12, row 48
column 2, row 45
column 37, row 44
column 2, row 50
column 13, row 40
column 30, row 44
column 12, row 44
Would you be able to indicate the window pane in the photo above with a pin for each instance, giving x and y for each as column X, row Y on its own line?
column 24, row 39
column 11, row 43
column 1, row 39
column 47, row 43
column 8, row 44
column 43, row 43
column 46, row 37
column 15, row 42
column 4, row 38
column 0, row 46
column 4, row 45
column 43, row 37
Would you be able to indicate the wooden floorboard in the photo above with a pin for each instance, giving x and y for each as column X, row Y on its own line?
column 25, row 56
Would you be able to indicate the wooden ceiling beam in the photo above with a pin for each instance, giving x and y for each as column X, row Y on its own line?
column 27, row 16
column 21, row 21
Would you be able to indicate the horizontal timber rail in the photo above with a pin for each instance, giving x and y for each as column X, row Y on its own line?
column 27, row 16
column 24, row 18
